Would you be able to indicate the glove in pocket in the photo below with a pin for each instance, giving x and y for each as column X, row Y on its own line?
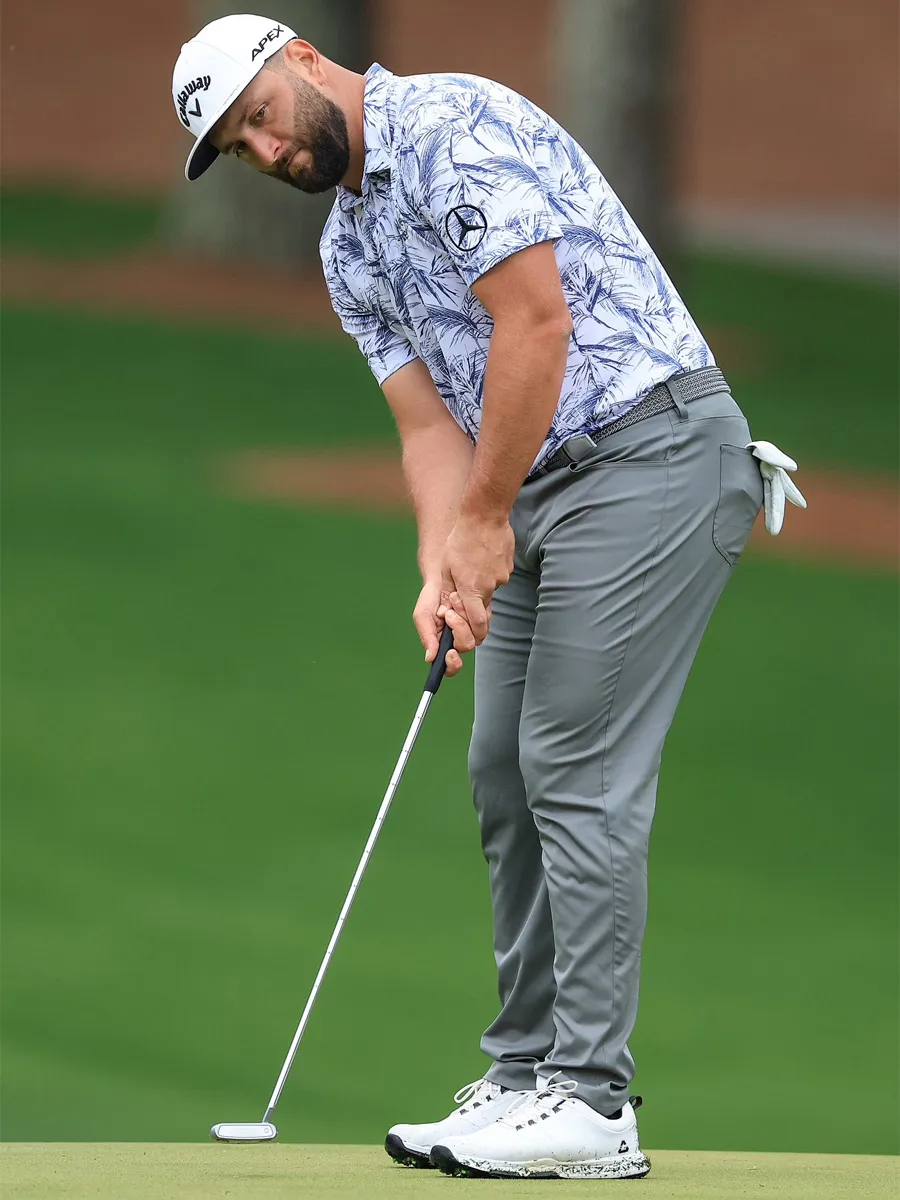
column 740, row 499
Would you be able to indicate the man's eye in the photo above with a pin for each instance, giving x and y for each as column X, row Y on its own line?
column 238, row 147
column 259, row 114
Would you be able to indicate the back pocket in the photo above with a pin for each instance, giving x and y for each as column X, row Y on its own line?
column 740, row 499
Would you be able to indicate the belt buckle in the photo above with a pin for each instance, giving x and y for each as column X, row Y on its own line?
column 578, row 447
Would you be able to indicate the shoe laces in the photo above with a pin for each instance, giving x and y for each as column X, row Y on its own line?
column 534, row 1106
column 473, row 1092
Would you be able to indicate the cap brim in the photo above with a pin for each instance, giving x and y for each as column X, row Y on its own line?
column 203, row 154
column 200, row 159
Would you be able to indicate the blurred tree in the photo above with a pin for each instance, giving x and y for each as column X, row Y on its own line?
column 232, row 212
column 615, row 87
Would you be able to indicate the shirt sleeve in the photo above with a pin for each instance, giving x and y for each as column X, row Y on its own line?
column 474, row 183
column 386, row 349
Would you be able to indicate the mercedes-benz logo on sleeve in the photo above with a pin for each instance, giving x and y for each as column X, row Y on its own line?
column 466, row 226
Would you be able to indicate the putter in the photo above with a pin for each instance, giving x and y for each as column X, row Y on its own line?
column 264, row 1130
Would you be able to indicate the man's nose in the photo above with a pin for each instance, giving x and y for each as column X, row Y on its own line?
column 264, row 147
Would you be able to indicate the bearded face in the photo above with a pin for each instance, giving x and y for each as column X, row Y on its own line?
column 318, row 154
column 286, row 127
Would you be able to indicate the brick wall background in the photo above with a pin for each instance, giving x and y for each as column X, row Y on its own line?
column 786, row 107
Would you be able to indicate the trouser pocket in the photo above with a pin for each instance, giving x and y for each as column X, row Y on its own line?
column 740, row 499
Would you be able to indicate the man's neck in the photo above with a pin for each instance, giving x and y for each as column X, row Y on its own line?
column 349, row 89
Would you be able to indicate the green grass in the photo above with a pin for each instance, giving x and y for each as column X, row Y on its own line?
column 203, row 700
column 58, row 223
column 822, row 370
column 97, row 1172
column 823, row 355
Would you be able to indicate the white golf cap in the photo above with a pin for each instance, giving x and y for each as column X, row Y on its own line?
column 213, row 69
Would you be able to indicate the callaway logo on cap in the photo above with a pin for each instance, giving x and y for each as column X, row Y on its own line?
column 213, row 69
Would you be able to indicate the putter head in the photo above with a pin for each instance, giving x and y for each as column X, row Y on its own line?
column 244, row 1131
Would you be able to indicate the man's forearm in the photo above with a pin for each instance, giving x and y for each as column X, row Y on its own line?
column 523, row 380
column 436, row 463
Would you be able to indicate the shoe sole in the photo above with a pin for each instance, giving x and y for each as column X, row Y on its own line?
column 630, row 1166
column 404, row 1156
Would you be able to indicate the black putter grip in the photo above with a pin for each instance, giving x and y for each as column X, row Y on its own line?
column 436, row 674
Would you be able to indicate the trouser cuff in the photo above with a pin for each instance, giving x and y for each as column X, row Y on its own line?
column 519, row 1076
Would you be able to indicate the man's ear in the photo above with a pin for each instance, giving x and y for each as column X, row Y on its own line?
column 304, row 59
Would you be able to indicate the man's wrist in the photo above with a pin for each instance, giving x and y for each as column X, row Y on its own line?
column 430, row 570
column 484, row 508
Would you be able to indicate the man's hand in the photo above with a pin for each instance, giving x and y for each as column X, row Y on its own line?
column 478, row 558
column 429, row 626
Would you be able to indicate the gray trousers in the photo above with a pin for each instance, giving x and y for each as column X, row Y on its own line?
column 619, row 563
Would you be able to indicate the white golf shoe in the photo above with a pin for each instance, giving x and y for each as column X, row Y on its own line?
column 548, row 1134
column 481, row 1103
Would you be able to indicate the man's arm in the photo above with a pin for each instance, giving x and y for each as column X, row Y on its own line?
column 437, row 458
column 437, row 454
column 523, row 380
column 478, row 187
column 525, row 369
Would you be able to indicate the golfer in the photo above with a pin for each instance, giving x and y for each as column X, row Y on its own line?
column 584, row 484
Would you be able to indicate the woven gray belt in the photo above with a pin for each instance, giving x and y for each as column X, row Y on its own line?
column 680, row 389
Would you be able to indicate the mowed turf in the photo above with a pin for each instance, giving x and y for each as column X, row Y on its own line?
column 203, row 700
column 812, row 357
column 191, row 1172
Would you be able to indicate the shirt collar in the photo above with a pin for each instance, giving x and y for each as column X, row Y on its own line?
column 378, row 131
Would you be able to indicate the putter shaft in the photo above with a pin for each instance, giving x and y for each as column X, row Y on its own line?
column 431, row 687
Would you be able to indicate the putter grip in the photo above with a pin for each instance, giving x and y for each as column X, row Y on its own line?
column 436, row 674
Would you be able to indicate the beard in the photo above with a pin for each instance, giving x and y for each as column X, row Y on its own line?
column 328, row 142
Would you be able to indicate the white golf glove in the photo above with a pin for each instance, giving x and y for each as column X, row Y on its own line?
column 777, row 484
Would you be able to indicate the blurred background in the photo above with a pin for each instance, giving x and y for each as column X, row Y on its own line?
column 208, row 661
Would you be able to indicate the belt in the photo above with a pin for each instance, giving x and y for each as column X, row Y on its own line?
column 680, row 389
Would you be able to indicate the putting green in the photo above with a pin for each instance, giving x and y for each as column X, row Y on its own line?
column 56, row 1170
